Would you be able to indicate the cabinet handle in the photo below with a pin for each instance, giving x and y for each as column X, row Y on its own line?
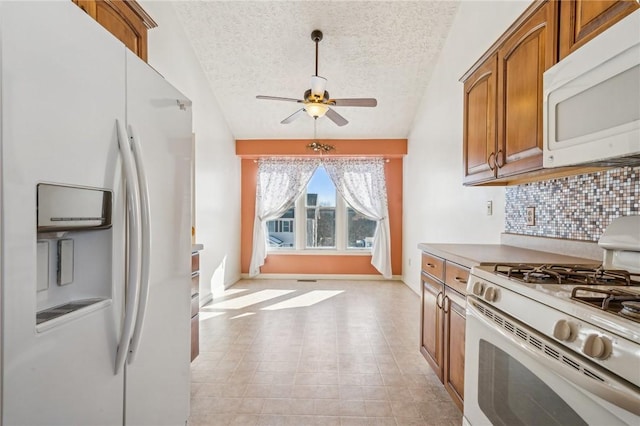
column 492, row 155
column 439, row 300
column 499, row 157
column 460, row 280
column 431, row 265
column 446, row 304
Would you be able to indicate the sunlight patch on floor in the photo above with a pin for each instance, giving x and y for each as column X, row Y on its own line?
column 307, row 299
column 249, row 299
column 232, row 291
column 204, row 315
column 246, row 314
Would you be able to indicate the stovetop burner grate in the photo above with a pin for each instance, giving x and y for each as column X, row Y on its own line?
column 566, row 274
column 615, row 301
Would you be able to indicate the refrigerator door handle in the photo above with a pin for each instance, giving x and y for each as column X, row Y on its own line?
column 134, row 247
column 146, row 244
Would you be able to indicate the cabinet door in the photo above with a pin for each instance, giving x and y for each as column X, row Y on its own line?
column 480, row 123
column 522, row 60
column 582, row 20
column 118, row 18
column 454, row 326
column 432, row 320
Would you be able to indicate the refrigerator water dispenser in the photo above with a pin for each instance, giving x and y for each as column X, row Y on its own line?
column 74, row 252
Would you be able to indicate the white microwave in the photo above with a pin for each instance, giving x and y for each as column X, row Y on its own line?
column 591, row 106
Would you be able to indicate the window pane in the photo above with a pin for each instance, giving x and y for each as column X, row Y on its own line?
column 360, row 230
column 321, row 210
column 281, row 230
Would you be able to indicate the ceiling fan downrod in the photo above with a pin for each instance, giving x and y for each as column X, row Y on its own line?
column 316, row 36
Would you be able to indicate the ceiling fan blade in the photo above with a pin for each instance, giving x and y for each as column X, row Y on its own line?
column 292, row 117
column 336, row 118
column 318, row 84
column 355, row 102
column 277, row 98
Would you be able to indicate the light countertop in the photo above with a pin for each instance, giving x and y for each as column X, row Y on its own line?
column 471, row 255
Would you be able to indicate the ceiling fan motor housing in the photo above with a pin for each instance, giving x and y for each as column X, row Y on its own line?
column 310, row 97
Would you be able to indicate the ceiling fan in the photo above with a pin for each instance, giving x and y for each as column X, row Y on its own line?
column 316, row 100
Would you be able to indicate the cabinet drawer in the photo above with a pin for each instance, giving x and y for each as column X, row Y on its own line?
column 195, row 337
column 195, row 262
column 456, row 277
column 433, row 266
column 195, row 284
column 195, row 300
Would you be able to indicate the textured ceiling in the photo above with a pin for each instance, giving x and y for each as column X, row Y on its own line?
column 381, row 49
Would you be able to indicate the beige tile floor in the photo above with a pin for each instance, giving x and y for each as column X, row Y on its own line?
column 276, row 352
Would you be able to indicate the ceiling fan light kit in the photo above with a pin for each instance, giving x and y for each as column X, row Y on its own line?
column 316, row 101
column 320, row 147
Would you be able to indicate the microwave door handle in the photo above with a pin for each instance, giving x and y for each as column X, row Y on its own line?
column 616, row 394
column 146, row 245
column 134, row 246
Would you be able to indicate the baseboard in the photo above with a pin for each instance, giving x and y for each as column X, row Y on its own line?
column 352, row 277
column 208, row 298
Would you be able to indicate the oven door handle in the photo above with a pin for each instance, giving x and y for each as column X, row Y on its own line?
column 615, row 393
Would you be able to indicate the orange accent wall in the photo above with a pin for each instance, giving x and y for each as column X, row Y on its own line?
column 392, row 149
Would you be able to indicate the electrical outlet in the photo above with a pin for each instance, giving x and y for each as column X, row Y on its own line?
column 531, row 216
column 489, row 208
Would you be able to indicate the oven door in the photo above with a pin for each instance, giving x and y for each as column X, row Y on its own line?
column 515, row 376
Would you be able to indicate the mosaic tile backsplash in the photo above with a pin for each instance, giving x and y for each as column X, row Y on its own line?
column 576, row 207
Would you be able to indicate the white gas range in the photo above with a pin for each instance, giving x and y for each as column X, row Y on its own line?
column 557, row 344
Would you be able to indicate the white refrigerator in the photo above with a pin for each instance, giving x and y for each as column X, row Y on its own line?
column 95, row 227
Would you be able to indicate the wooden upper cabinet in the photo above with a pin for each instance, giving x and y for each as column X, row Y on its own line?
column 525, row 55
column 503, row 99
column 480, row 123
column 582, row 20
column 125, row 19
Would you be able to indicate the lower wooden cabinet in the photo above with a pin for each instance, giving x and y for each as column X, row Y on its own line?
column 443, row 326
column 195, row 305
column 454, row 306
column 432, row 323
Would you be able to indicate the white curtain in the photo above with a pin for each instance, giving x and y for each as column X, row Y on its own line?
column 362, row 184
column 279, row 183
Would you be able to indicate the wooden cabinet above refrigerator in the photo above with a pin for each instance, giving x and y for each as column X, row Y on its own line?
column 125, row 19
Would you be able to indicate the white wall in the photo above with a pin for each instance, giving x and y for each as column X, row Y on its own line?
column 217, row 167
column 437, row 208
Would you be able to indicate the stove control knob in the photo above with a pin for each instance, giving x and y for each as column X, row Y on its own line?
column 478, row 288
column 491, row 294
column 563, row 331
column 597, row 347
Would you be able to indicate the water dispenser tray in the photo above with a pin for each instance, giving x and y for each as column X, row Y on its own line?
column 66, row 308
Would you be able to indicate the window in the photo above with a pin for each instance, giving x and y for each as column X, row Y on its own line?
column 282, row 230
column 326, row 222
column 360, row 230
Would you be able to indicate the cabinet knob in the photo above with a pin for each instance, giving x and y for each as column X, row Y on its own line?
column 491, row 294
column 597, row 347
column 562, row 331
column 478, row 288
